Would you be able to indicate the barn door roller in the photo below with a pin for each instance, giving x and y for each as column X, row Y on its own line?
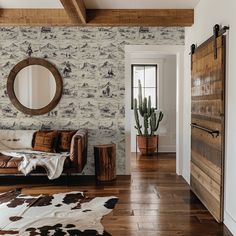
column 217, row 32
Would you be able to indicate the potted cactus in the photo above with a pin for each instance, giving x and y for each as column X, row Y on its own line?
column 147, row 139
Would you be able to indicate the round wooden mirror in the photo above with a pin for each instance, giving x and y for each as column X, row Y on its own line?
column 34, row 86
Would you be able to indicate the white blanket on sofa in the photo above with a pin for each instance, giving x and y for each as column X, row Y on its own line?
column 52, row 162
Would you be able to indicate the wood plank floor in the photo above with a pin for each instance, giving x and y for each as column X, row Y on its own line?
column 154, row 202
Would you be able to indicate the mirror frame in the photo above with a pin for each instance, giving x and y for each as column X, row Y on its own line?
column 11, row 79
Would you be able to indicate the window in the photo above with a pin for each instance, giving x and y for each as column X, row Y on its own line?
column 147, row 74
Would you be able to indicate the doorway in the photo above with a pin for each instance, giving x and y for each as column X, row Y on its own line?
column 155, row 55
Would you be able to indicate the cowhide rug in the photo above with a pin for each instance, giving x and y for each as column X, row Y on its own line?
column 59, row 214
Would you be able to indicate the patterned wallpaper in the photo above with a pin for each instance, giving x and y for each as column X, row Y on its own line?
column 91, row 62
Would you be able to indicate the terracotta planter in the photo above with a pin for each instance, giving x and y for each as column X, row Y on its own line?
column 147, row 144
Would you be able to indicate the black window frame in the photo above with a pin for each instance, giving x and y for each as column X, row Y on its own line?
column 132, row 82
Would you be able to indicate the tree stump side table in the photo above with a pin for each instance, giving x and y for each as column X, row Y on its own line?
column 105, row 162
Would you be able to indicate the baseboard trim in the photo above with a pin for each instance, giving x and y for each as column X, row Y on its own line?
column 168, row 149
column 43, row 177
column 230, row 223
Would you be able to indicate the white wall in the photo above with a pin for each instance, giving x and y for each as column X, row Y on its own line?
column 207, row 14
column 167, row 99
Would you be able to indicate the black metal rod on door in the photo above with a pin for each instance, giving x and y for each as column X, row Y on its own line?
column 214, row 133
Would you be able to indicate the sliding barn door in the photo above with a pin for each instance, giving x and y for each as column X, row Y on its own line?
column 207, row 137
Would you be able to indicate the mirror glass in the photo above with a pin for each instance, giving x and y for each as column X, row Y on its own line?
column 35, row 86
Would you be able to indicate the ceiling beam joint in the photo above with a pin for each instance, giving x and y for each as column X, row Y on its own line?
column 76, row 10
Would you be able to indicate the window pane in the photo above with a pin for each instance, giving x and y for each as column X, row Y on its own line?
column 138, row 74
column 151, row 92
column 150, row 76
column 147, row 74
column 135, row 91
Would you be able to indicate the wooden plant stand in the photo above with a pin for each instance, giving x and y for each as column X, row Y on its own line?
column 105, row 162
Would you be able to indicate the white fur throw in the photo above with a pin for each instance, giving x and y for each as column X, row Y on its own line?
column 52, row 162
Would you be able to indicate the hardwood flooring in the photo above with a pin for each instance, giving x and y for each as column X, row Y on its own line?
column 154, row 202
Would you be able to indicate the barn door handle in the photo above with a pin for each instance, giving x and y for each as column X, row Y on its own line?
column 214, row 133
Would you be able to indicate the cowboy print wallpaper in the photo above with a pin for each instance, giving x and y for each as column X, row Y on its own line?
column 91, row 62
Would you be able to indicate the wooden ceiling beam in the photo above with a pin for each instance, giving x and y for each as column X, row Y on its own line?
column 95, row 17
column 76, row 10
column 140, row 17
column 34, row 17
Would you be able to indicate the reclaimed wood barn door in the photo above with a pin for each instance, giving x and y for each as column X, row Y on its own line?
column 207, row 133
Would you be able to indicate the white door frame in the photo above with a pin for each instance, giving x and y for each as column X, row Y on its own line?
column 177, row 50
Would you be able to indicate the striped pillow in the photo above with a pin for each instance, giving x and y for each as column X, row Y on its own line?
column 45, row 141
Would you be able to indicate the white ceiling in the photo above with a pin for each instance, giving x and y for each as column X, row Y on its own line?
column 104, row 4
column 143, row 4
column 30, row 4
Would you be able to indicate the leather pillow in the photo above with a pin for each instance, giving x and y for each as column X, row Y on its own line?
column 65, row 138
column 45, row 141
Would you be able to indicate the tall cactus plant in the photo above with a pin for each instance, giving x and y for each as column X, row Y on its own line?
column 143, row 107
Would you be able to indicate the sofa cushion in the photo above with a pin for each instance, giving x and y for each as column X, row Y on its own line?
column 45, row 141
column 65, row 138
column 16, row 139
column 9, row 162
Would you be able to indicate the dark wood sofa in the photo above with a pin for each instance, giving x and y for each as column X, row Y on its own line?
column 73, row 164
